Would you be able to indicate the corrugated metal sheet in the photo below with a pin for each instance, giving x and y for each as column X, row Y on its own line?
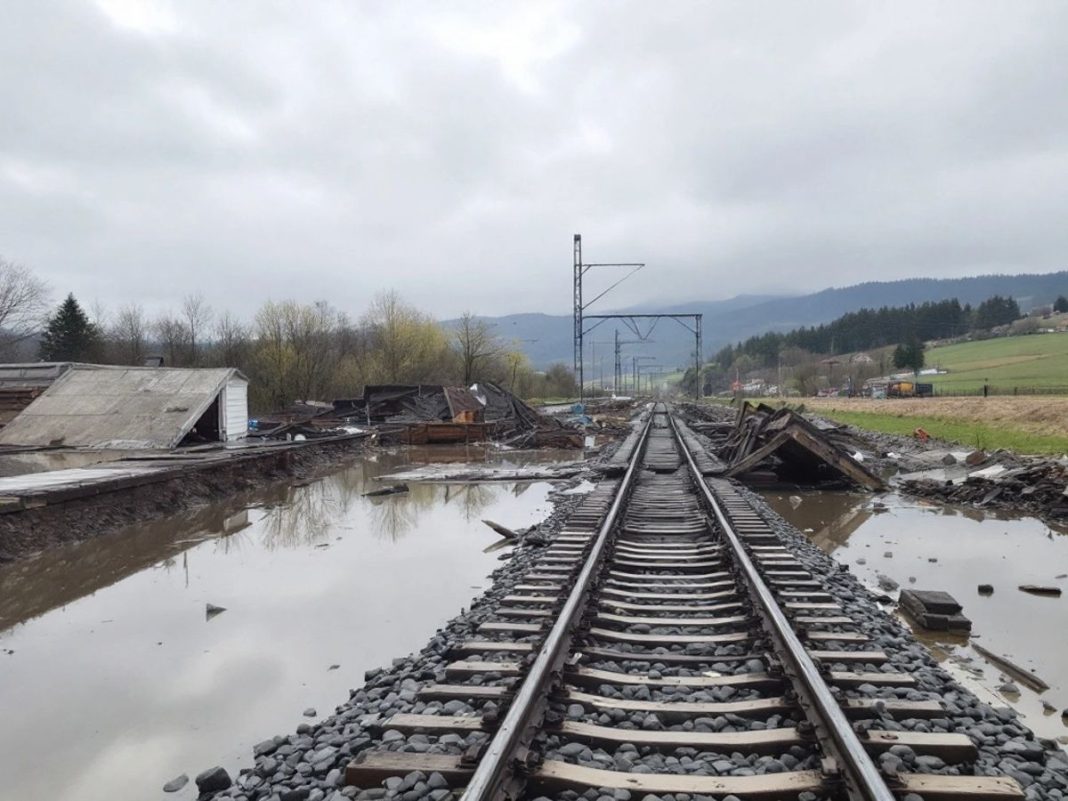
column 128, row 408
column 235, row 408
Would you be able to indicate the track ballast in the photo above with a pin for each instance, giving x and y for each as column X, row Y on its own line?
column 668, row 643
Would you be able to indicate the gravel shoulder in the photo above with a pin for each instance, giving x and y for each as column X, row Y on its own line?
column 310, row 763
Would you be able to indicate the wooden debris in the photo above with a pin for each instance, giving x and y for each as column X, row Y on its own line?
column 504, row 531
column 1037, row 589
column 794, row 447
column 1021, row 674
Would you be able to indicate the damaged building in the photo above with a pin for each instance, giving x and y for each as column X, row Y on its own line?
column 784, row 443
column 133, row 408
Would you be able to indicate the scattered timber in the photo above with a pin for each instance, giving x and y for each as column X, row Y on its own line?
column 504, row 531
column 1039, row 589
column 1021, row 674
column 470, row 473
column 791, row 446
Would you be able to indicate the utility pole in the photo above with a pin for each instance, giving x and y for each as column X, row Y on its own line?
column 579, row 269
column 619, row 384
column 578, row 311
column 618, row 366
column 637, row 362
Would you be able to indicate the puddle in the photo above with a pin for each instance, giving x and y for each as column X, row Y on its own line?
column 119, row 682
column 971, row 548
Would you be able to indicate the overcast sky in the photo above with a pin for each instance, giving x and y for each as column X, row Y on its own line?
column 450, row 150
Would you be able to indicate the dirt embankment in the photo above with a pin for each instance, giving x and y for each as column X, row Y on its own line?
column 27, row 532
column 1042, row 416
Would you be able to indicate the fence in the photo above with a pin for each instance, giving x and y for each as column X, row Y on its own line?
column 942, row 391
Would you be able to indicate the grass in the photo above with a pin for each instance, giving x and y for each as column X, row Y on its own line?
column 1036, row 360
column 971, row 434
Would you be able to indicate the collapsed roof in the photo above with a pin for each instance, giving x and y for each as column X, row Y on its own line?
column 127, row 408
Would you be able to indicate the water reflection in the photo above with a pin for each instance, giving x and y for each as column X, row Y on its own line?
column 932, row 546
column 60, row 576
column 110, row 635
column 295, row 516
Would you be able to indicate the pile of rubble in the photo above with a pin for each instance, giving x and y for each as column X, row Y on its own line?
column 418, row 414
column 762, row 438
column 1040, row 488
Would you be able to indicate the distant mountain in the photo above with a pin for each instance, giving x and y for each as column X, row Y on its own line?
column 547, row 338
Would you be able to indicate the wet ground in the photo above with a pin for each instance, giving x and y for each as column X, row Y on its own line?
column 114, row 680
column 932, row 547
column 18, row 464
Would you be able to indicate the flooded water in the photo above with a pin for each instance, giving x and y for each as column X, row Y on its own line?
column 933, row 547
column 113, row 680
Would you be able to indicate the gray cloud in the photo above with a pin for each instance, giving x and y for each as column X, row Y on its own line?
column 332, row 150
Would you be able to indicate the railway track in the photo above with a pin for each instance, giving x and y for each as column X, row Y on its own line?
column 667, row 643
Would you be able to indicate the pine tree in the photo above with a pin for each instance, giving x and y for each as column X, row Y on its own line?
column 909, row 355
column 69, row 336
column 1060, row 305
column 995, row 311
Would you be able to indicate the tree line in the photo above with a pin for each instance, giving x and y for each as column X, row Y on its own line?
column 875, row 328
column 289, row 350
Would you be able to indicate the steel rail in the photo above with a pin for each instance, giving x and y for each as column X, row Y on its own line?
column 862, row 777
column 497, row 767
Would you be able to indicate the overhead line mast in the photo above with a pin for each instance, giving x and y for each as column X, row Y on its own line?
column 630, row 320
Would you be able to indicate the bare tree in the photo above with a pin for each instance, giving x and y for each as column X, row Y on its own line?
column 23, row 303
column 407, row 345
column 99, row 315
column 196, row 314
column 172, row 334
column 476, row 345
column 129, row 335
column 232, row 341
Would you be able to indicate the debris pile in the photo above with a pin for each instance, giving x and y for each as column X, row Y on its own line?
column 791, row 446
column 306, row 419
column 419, row 414
column 1038, row 488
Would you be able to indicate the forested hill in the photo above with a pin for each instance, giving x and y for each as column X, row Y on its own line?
column 547, row 338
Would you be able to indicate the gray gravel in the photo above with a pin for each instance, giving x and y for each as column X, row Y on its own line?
column 310, row 763
column 1005, row 744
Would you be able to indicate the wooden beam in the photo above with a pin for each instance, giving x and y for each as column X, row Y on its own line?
column 554, row 775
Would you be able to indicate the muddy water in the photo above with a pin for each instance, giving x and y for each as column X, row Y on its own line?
column 929, row 547
column 113, row 680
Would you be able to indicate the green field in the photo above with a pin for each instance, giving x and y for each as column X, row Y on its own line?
column 1036, row 360
column 970, row 434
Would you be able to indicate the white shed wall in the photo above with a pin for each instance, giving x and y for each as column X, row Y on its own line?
column 235, row 408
